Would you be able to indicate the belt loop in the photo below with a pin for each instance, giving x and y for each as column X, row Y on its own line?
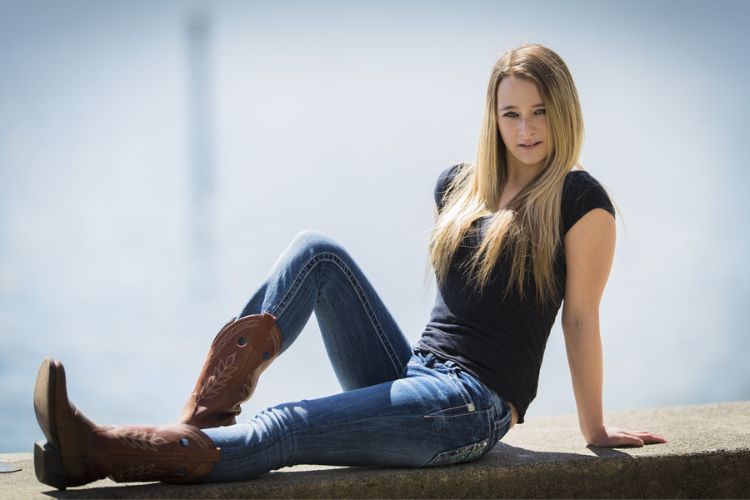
column 425, row 356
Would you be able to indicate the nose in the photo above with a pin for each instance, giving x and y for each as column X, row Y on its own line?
column 525, row 127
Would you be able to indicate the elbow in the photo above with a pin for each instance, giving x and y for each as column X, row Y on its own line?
column 578, row 321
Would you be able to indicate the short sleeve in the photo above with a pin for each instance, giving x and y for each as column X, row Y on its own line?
column 441, row 186
column 581, row 194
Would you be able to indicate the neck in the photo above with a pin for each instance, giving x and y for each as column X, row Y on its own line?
column 519, row 174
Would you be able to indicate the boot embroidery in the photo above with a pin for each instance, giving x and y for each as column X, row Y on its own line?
column 220, row 343
column 140, row 440
column 222, row 374
column 137, row 472
column 247, row 388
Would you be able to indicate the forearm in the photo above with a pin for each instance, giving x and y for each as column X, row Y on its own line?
column 584, row 349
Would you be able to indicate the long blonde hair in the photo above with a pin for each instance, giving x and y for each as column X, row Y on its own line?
column 530, row 224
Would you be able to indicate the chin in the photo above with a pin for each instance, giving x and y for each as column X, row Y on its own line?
column 532, row 162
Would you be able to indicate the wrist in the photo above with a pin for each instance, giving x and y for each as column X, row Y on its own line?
column 594, row 434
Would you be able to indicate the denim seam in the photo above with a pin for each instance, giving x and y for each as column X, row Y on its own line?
column 448, row 409
column 503, row 423
column 507, row 420
column 453, row 377
column 336, row 260
column 490, row 422
column 475, row 412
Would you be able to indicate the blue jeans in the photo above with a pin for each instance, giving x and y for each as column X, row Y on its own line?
column 400, row 407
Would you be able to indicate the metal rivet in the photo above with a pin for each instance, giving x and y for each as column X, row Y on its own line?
column 180, row 471
column 184, row 442
column 266, row 355
column 241, row 341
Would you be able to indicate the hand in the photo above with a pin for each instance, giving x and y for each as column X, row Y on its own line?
column 611, row 437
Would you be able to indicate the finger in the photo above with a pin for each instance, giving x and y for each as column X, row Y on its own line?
column 653, row 438
column 649, row 437
column 626, row 439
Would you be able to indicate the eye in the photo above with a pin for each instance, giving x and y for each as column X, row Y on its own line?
column 540, row 111
column 510, row 114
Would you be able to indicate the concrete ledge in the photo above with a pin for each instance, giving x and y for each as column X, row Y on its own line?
column 708, row 456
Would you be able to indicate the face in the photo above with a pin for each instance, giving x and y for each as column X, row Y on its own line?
column 522, row 122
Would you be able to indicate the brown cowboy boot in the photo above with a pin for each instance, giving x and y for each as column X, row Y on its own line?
column 78, row 451
column 238, row 355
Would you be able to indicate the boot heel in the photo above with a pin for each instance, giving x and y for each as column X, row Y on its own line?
column 48, row 465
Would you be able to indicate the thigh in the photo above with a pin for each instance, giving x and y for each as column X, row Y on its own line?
column 409, row 422
column 316, row 274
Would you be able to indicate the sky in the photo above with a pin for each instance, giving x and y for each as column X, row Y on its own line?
column 339, row 116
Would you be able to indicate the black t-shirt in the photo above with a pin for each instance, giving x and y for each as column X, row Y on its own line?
column 502, row 342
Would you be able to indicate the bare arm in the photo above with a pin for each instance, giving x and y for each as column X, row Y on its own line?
column 589, row 251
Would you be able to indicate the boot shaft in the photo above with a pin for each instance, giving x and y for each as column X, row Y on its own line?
column 241, row 351
column 176, row 453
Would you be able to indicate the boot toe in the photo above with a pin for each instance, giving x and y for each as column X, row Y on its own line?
column 44, row 399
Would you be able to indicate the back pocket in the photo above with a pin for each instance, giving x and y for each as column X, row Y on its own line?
column 464, row 454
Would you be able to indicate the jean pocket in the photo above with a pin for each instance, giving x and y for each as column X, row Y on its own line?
column 463, row 454
column 455, row 411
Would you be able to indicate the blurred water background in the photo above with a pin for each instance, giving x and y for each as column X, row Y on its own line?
column 157, row 156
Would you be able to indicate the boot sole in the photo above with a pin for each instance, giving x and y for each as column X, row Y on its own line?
column 48, row 465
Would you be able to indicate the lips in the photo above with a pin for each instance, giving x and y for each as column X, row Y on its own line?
column 529, row 145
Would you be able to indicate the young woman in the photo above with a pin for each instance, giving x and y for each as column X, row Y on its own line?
column 517, row 233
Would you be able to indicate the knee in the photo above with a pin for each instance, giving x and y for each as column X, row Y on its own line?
column 311, row 242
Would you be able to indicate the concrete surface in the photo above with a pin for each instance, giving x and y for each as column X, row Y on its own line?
column 708, row 455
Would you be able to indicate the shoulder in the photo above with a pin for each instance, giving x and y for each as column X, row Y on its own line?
column 582, row 192
column 448, row 174
column 579, row 179
column 444, row 181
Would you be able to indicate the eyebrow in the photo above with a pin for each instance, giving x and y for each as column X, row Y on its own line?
column 514, row 107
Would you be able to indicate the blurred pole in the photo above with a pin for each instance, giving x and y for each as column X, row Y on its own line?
column 202, row 176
